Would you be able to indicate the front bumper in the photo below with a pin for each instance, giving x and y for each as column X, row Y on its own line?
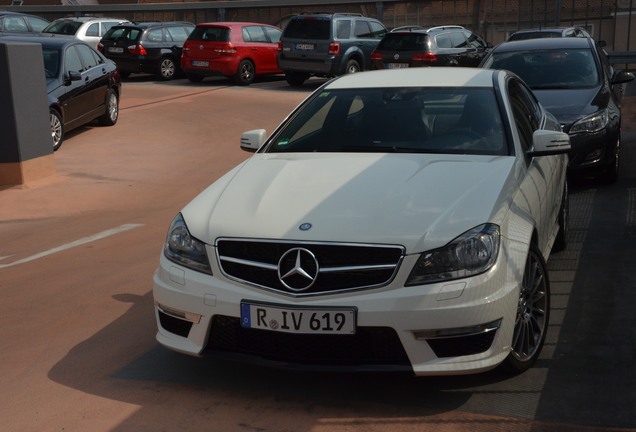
column 457, row 327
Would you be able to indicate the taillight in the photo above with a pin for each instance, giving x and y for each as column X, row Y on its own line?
column 137, row 49
column 426, row 57
column 280, row 45
column 334, row 48
column 226, row 49
column 376, row 56
column 100, row 47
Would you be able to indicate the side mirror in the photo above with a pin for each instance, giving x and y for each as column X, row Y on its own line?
column 621, row 77
column 546, row 143
column 253, row 140
column 73, row 76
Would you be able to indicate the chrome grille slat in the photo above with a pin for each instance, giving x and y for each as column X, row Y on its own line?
column 341, row 266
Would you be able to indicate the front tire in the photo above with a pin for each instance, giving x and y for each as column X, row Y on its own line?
column 57, row 128
column 167, row 69
column 112, row 109
column 245, row 73
column 533, row 314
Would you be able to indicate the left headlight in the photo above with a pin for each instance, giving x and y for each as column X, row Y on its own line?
column 184, row 249
column 592, row 123
column 471, row 253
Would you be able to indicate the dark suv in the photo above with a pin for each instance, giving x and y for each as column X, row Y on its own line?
column 153, row 47
column 414, row 46
column 327, row 45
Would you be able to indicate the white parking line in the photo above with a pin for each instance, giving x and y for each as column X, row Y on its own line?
column 73, row 244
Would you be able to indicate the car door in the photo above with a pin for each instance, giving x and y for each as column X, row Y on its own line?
column 366, row 40
column 96, row 79
column 258, row 47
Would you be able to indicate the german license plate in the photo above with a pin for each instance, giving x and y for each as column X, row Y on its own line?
column 397, row 65
column 298, row 320
column 305, row 47
column 200, row 63
column 115, row 50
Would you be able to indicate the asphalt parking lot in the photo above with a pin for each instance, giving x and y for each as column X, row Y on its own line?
column 77, row 252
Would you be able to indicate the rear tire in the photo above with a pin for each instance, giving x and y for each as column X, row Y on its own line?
column 112, row 109
column 167, row 69
column 57, row 128
column 296, row 79
column 532, row 317
column 352, row 67
column 245, row 74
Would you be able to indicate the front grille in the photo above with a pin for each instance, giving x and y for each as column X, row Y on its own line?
column 370, row 346
column 327, row 267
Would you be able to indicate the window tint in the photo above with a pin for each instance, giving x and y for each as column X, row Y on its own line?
column 72, row 62
column 403, row 42
column 15, row 24
column 343, row 29
column 155, row 35
column 88, row 56
column 126, row 33
column 51, row 62
column 37, row 24
column 526, row 112
column 177, row 34
column 273, row 34
column 458, row 40
column 443, row 41
column 377, row 31
column 93, row 30
column 301, row 28
column 474, row 41
column 363, row 30
column 105, row 26
column 254, row 34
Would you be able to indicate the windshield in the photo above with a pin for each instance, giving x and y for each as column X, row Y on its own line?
column 63, row 27
column 404, row 42
column 413, row 120
column 550, row 69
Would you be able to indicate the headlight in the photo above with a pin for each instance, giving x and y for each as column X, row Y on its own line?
column 471, row 253
column 592, row 123
column 184, row 249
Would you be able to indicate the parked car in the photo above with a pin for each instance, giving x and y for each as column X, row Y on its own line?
column 16, row 24
column 327, row 45
column 414, row 46
column 152, row 47
column 238, row 50
column 82, row 85
column 395, row 220
column 574, row 80
column 88, row 29
column 549, row 32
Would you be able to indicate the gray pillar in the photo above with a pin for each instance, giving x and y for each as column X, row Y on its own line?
column 26, row 148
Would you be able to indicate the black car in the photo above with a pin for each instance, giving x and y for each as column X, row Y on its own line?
column 327, row 45
column 82, row 85
column 573, row 79
column 413, row 46
column 15, row 23
column 153, row 47
column 549, row 32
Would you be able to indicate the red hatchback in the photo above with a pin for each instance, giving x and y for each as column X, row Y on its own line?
column 237, row 50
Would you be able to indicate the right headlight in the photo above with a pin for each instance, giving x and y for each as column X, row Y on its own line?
column 592, row 123
column 182, row 248
column 471, row 253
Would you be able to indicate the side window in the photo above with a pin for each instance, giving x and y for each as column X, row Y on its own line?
column 474, row 41
column 362, row 29
column 256, row 34
column 343, row 29
column 443, row 41
column 87, row 56
column 273, row 34
column 155, row 35
column 15, row 24
column 526, row 112
column 178, row 34
column 37, row 24
column 93, row 30
column 72, row 62
column 458, row 40
column 377, row 31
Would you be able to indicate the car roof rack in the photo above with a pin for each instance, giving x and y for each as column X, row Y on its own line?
column 447, row 27
column 408, row 28
column 332, row 13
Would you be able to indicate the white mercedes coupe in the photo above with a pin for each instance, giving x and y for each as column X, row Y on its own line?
column 395, row 220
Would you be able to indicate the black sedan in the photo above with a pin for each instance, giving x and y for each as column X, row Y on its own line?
column 81, row 83
column 573, row 79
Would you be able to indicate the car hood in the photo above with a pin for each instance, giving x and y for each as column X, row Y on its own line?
column 569, row 105
column 415, row 200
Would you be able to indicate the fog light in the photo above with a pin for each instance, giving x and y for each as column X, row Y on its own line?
column 188, row 316
column 594, row 156
column 457, row 332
